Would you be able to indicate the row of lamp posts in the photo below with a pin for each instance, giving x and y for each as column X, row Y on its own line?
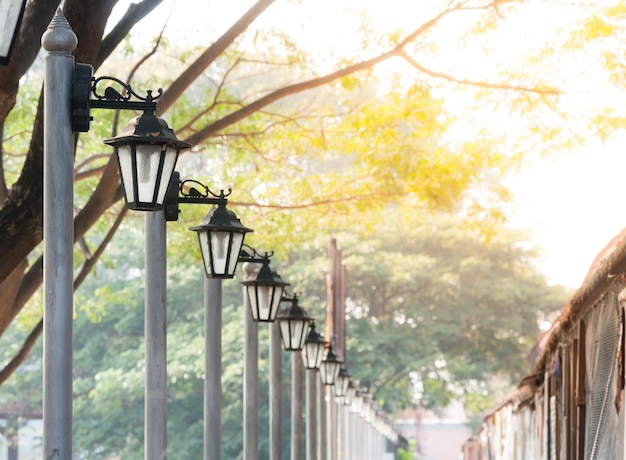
column 147, row 150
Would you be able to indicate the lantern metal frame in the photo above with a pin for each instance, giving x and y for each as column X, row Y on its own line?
column 264, row 306
column 314, row 347
column 146, row 149
column 293, row 337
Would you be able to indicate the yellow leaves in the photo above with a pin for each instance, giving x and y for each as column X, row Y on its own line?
column 597, row 27
column 350, row 82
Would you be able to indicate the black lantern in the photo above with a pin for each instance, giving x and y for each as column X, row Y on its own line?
column 329, row 368
column 294, row 324
column 221, row 236
column 264, row 290
column 313, row 350
column 342, row 382
column 348, row 398
column 367, row 408
column 357, row 402
column 146, row 151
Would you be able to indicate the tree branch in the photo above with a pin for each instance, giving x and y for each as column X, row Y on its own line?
column 190, row 74
column 21, row 355
column 481, row 84
column 135, row 13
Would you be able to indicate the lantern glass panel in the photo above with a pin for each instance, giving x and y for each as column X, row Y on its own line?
column 169, row 163
column 220, row 245
column 203, row 239
column 236, row 244
column 148, row 160
column 124, row 158
column 275, row 294
column 256, row 305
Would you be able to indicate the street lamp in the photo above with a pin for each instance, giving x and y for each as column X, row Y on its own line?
column 357, row 402
column 350, row 393
column 342, row 383
column 329, row 368
column 264, row 288
column 68, row 91
column 221, row 236
column 294, row 323
column 146, row 149
column 314, row 347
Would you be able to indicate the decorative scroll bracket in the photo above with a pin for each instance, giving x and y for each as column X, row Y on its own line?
column 179, row 192
column 85, row 85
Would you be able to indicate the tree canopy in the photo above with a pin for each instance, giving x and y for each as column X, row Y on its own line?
column 311, row 142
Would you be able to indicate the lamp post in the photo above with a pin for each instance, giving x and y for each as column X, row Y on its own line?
column 312, row 354
column 297, row 425
column 263, row 290
column 291, row 326
column 147, row 142
column 250, row 378
column 59, row 41
column 340, row 388
column 311, row 441
column 221, row 238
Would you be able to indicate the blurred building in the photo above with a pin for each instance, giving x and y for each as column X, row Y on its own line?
column 435, row 437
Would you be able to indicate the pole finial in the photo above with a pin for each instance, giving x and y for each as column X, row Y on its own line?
column 59, row 37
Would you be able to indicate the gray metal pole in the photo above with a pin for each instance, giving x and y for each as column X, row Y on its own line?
column 212, row 369
column 250, row 380
column 59, row 41
column 311, row 414
column 155, row 323
column 276, row 393
column 340, row 452
column 322, row 435
column 331, row 426
column 297, row 425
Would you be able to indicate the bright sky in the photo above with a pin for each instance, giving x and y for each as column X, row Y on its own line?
column 571, row 204
column 574, row 207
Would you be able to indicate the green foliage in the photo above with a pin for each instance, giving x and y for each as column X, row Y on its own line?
column 436, row 311
column 407, row 454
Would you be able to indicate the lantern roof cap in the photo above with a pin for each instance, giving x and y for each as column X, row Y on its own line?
column 221, row 218
column 147, row 129
column 294, row 311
